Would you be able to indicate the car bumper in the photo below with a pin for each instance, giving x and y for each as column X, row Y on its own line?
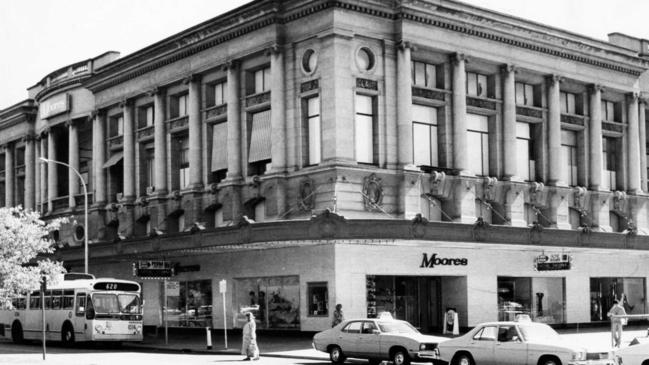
column 593, row 362
column 426, row 356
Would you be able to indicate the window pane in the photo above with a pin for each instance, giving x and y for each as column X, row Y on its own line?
column 529, row 95
column 431, row 75
column 364, row 104
column 564, row 102
column 421, row 144
column 424, row 114
column 475, row 152
column 571, row 103
column 266, row 79
column 420, row 73
column 364, row 139
column 485, row 154
column 313, row 107
column 314, row 140
column 471, row 84
column 259, row 81
column 522, row 162
column 477, row 122
column 120, row 126
column 433, row 144
column 482, row 86
column 520, row 93
column 218, row 94
column 149, row 116
column 522, row 130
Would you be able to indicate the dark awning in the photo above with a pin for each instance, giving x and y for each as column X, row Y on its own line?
column 114, row 159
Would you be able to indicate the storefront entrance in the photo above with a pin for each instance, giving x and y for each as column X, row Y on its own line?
column 422, row 301
column 603, row 291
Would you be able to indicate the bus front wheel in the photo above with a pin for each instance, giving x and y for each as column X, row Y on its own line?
column 67, row 334
column 17, row 332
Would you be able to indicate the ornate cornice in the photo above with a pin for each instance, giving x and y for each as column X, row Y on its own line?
column 259, row 15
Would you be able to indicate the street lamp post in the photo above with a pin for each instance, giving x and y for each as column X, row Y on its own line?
column 85, row 216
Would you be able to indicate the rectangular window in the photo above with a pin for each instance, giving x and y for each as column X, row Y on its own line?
column 478, row 144
column 424, row 135
column 609, row 163
column 318, row 299
column 116, row 126
column 569, row 157
column 275, row 301
column 568, row 105
column 219, row 146
column 423, row 74
column 80, row 305
column 145, row 116
column 35, row 300
column 193, row 306
column 524, row 94
column 476, row 84
column 216, row 94
column 543, row 299
column 260, row 137
column 178, row 106
column 313, row 130
column 604, row 290
column 608, row 110
column 262, row 80
column 184, row 162
column 364, row 129
column 149, row 163
column 524, row 153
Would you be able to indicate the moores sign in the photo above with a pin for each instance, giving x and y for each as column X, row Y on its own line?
column 434, row 260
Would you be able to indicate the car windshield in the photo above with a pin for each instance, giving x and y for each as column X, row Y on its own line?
column 538, row 332
column 397, row 327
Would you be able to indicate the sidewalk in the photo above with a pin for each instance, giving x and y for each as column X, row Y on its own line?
column 298, row 345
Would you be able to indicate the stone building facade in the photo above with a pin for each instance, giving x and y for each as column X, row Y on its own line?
column 278, row 144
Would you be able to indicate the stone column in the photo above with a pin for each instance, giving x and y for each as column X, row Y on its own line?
column 633, row 143
column 73, row 161
column 234, row 122
column 52, row 173
column 10, row 175
column 160, row 142
column 37, row 173
column 642, row 131
column 99, row 157
column 509, row 123
column 43, row 168
column 458, row 84
column 404, row 104
column 554, row 130
column 30, row 179
column 129, row 151
column 277, row 114
column 596, row 152
column 195, row 133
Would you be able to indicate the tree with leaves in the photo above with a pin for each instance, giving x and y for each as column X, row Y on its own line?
column 23, row 237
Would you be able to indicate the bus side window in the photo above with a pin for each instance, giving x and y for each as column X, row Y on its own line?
column 48, row 299
column 35, row 300
column 81, row 304
column 56, row 299
column 68, row 299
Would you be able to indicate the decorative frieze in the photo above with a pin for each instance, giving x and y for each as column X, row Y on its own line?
column 480, row 103
column 145, row 133
column 613, row 127
column 428, row 93
column 529, row 112
column 216, row 111
column 115, row 142
column 309, row 86
column 257, row 99
column 572, row 119
column 367, row 84
column 178, row 123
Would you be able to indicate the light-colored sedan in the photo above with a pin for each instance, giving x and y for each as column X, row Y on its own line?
column 635, row 354
column 517, row 343
column 377, row 340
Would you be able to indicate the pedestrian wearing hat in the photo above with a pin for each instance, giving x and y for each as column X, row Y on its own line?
column 249, row 343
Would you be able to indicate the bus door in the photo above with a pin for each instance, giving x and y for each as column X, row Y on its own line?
column 79, row 318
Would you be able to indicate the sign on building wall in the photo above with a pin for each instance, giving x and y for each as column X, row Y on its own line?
column 153, row 269
column 54, row 105
column 552, row 262
column 173, row 288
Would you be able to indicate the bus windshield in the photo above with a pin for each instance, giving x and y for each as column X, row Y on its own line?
column 116, row 303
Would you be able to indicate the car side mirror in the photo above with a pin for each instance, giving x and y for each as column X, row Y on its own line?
column 376, row 332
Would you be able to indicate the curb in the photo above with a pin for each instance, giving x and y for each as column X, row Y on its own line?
column 215, row 352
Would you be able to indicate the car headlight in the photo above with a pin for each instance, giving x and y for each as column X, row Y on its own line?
column 579, row 355
column 422, row 347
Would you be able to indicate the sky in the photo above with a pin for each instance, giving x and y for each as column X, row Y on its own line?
column 40, row 36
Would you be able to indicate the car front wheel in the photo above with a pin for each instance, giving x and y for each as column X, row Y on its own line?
column 462, row 359
column 336, row 355
column 400, row 357
column 549, row 360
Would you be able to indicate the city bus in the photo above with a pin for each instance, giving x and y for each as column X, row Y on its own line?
column 81, row 308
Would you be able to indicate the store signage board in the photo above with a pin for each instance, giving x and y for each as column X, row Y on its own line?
column 54, row 105
column 153, row 269
column 553, row 262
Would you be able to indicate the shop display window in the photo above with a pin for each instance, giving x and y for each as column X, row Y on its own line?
column 275, row 301
column 318, row 299
column 603, row 291
column 543, row 299
column 193, row 307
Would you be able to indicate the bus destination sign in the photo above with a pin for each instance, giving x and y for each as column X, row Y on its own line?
column 117, row 286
